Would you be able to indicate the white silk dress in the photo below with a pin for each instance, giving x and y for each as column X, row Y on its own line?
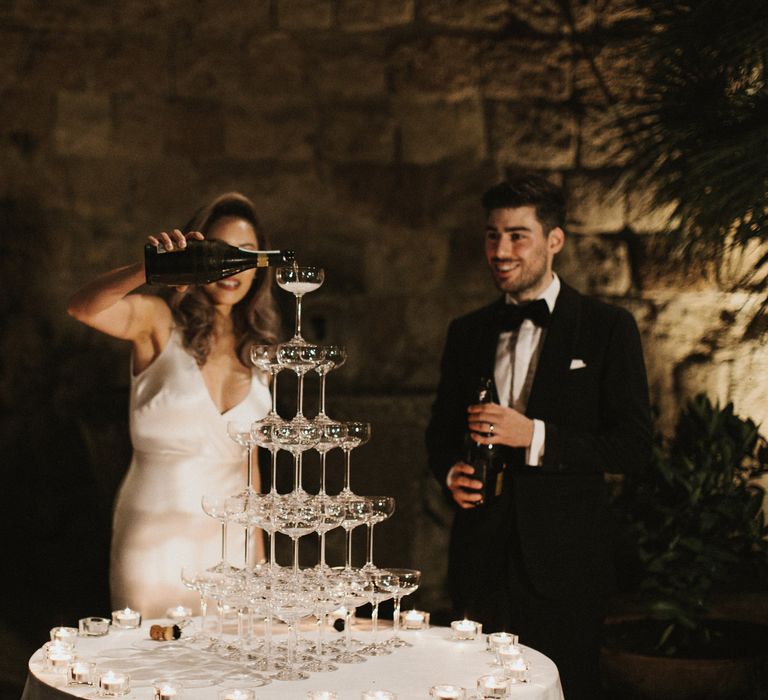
column 181, row 451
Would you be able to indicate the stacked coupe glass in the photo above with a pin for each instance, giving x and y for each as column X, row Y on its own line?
column 265, row 592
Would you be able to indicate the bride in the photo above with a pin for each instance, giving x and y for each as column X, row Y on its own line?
column 190, row 375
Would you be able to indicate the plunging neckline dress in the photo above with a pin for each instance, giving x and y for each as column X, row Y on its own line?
column 181, row 452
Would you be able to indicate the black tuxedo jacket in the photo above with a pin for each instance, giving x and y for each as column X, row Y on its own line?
column 551, row 525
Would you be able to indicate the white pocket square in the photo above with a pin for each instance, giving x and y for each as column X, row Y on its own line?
column 577, row 364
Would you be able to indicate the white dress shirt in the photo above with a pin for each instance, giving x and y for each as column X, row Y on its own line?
column 513, row 383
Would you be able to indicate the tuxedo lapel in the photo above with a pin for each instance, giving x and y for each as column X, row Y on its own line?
column 556, row 354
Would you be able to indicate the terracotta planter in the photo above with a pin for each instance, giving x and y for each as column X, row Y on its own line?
column 636, row 675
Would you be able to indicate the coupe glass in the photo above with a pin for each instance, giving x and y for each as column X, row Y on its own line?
column 291, row 603
column 379, row 592
column 382, row 508
column 296, row 437
column 207, row 585
column 216, row 507
column 357, row 434
column 332, row 512
column 240, row 432
column 301, row 359
column 401, row 582
column 355, row 591
column 334, row 356
column 357, row 510
column 299, row 281
column 296, row 517
column 265, row 358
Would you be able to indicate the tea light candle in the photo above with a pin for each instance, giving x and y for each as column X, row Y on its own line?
column 81, row 673
column 377, row 695
column 465, row 629
column 492, row 687
column 447, row 692
column 414, row 620
column 322, row 695
column 113, row 683
column 167, row 690
column 509, row 653
column 58, row 655
column 126, row 619
column 180, row 612
column 236, row 694
column 64, row 634
column 497, row 639
column 517, row 670
column 93, row 626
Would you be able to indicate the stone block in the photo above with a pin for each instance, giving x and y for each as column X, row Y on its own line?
column 348, row 68
column 209, row 70
column 97, row 187
column 544, row 16
column 82, row 124
column 519, row 69
column 65, row 14
column 595, row 203
column 601, row 139
column 194, row 128
column 138, row 126
column 644, row 215
column 15, row 44
column 130, row 62
column 660, row 265
column 466, row 14
column 277, row 129
column 27, row 118
column 304, row 14
column 436, row 64
column 534, row 136
column 436, row 128
column 368, row 15
column 61, row 59
column 596, row 265
column 272, row 64
column 364, row 133
column 618, row 67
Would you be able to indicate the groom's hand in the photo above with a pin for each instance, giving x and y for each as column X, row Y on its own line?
column 459, row 480
column 492, row 424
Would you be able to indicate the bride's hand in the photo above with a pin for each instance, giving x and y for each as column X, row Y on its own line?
column 174, row 239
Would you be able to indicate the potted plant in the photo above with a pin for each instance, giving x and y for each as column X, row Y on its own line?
column 696, row 518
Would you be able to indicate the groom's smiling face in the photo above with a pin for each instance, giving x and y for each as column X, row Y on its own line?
column 519, row 252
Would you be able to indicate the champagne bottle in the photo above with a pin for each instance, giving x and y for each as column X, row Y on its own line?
column 202, row 262
column 486, row 460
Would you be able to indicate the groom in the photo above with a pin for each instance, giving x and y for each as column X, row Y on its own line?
column 572, row 405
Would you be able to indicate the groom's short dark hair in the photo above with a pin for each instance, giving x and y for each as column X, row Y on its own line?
column 529, row 190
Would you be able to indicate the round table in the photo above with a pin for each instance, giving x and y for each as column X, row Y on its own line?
column 409, row 672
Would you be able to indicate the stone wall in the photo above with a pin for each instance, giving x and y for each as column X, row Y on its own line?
column 365, row 131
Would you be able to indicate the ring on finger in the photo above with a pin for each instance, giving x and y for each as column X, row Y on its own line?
column 490, row 428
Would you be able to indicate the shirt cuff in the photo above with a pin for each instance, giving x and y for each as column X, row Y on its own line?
column 535, row 452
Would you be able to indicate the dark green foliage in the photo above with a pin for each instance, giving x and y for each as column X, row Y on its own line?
column 701, row 136
column 696, row 517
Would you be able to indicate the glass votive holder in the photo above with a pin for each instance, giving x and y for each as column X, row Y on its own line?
column 322, row 695
column 414, row 620
column 81, row 673
column 93, row 626
column 126, row 619
column 64, row 634
column 508, row 653
column 465, row 629
column 178, row 613
column 114, row 683
column 58, row 655
column 377, row 695
column 237, row 694
column 448, row 692
column 167, row 690
column 497, row 639
column 517, row 670
column 493, row 687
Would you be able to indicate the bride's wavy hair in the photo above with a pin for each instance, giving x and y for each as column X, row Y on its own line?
column 255, row 318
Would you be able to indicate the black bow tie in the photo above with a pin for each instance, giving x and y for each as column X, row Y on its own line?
column 510, row 316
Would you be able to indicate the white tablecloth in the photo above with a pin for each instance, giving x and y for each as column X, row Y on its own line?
column 409, row 672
